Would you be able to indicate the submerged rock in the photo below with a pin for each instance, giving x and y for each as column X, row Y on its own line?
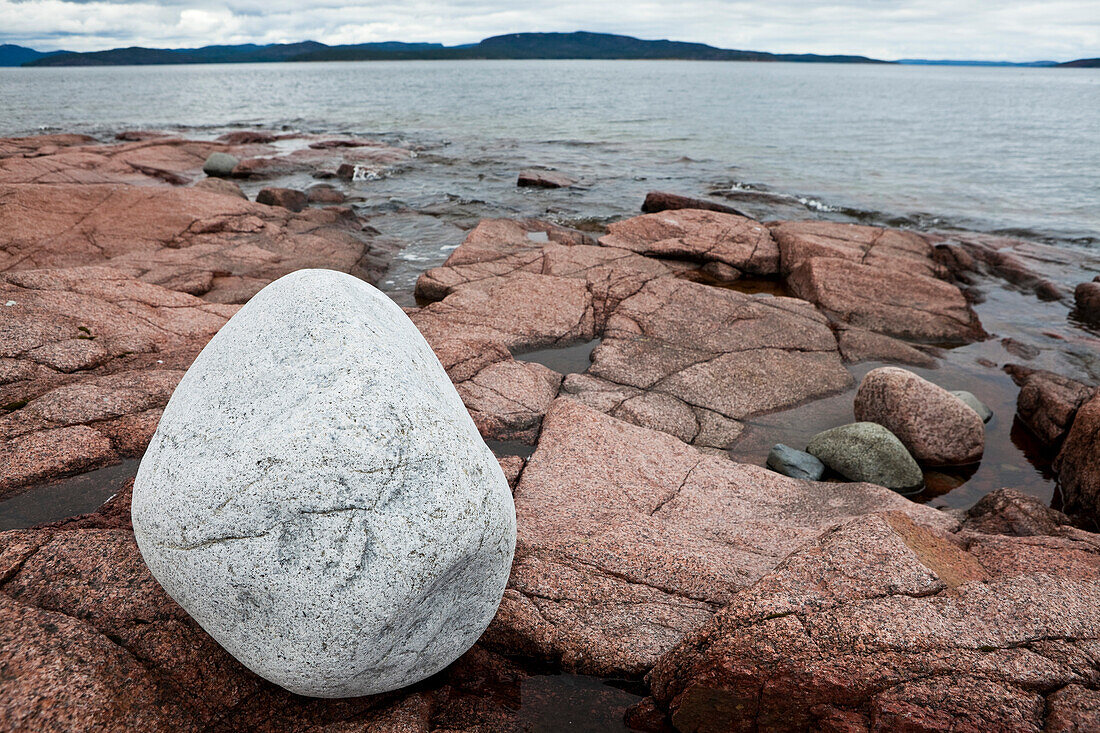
column 795, row 463
column 971, row 401
column 937, row 427
column 866, row 451
column 220, row 165
column 662, row 201
column 318, row 499
column 544, row 179
column 288, row 198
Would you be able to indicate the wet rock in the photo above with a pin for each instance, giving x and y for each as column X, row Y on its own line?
column 237, row 516
column 1087, row 298
column 323, row 194
column 881, row 621
column 859, row 344
column 656, row 201
column 1019, row 349
column 699, row 236
column 895, row 302
column 937, row 427
column 795, row 463
column 222, row 186
column 288, row 198
column 1047, row 402
column 244, row 137
column 866, row 451
column 544, row 179
column 1078, row 463
column 220, row 165
column 1017, row 261
column 1010, row 512
column 630, row 539
column 974, row 404
column 878, row 248
column 369, row 160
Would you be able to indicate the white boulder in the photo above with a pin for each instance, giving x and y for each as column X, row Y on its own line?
column 318, row 499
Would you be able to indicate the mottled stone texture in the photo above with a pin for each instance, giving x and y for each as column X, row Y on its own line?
column 318, row 499
column 1078, row 464
column 883, row 625
column 938, row 428
column 698, row 235
column 1048, row 402
column 629, row 539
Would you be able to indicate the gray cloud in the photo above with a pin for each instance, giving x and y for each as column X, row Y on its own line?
column 987, row 29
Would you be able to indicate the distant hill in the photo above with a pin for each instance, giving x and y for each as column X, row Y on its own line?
column 579, row 45
column 11, row 55
column 966, row 62
column 1082, row 64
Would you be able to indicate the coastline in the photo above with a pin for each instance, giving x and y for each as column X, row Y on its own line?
column 122, row 259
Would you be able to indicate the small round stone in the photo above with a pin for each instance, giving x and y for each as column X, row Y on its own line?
column 866, row 451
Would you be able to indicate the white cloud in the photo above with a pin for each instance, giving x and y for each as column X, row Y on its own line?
column 988, row 29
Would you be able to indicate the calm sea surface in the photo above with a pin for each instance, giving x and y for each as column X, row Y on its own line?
column 991, row 149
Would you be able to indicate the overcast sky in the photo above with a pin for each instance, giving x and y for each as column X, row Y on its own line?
column 888, row 29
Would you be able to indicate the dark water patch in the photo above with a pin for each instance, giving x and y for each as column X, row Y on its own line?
column 502, row 448
column 573, row 359
column 568, row 702
column 67, row 497
column 746, row 285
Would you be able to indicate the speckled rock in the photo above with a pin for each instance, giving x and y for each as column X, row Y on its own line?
column 1047, row 402
column 220, row 165
column 937, row 427
column 1078, row 464
column 1087, row 298
column 700, row 236
column 866, row 451
column 971, row 401
column 881, row 625
column 318, row 499
column 795, row 463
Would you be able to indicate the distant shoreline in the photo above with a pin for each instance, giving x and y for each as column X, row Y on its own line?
column 579, row 45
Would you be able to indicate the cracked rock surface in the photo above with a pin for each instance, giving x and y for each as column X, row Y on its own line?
column 883, row 624
column 619, row 557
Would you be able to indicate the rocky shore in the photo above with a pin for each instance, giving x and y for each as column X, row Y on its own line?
column 717, row 593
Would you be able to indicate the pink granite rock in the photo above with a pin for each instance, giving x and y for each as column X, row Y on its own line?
column 700, row 236
column 883, row 625
column 895, row 302
column 629, row 539
column 1047, row 402
column 1078, row 463
column 937, row 427
column 882, row 249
